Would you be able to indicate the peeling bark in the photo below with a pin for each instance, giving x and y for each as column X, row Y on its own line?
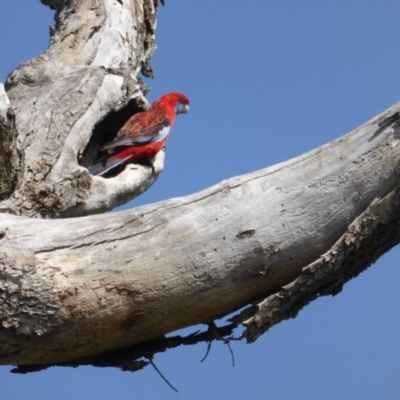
column 9, row 155
column 92, row 290
column 290, row 232
column 372, row 234
column 60, row 98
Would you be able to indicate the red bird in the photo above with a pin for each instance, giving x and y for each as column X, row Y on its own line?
column 144, row 134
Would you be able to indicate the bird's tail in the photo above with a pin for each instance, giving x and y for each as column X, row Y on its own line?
column 105, row 164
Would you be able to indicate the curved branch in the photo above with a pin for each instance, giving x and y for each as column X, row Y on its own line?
column 77, row 291
column 124, row 278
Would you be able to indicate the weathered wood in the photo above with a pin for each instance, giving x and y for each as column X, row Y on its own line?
column 9, row 155
column 123, row 278
column 88, row 75
column 73, row 289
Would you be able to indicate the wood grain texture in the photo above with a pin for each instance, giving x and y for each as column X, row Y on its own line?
column 89, row 71
column 73, row 290
column 128, row 277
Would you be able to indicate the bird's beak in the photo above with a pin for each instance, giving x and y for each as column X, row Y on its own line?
column 181, row 108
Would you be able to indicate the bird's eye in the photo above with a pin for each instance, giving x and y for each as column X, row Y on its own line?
column 181, row 99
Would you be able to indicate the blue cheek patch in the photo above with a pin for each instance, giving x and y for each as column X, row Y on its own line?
column 181, row 108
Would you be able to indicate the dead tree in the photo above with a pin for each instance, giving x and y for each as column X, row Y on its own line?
column 78, row 289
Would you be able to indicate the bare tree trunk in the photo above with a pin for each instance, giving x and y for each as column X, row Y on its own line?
column 84, row 86
column 74, row 289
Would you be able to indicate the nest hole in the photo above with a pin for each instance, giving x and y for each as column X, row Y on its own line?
column 106, row 130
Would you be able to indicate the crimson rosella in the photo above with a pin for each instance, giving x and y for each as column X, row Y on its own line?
column 143, row 135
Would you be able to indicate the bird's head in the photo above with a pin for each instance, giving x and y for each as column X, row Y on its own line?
column 180, row 102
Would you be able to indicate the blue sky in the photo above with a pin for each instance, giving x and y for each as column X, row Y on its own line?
column 268, row 80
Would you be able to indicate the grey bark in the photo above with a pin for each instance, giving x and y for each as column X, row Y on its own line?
column 72, row 290
column 81, row 87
